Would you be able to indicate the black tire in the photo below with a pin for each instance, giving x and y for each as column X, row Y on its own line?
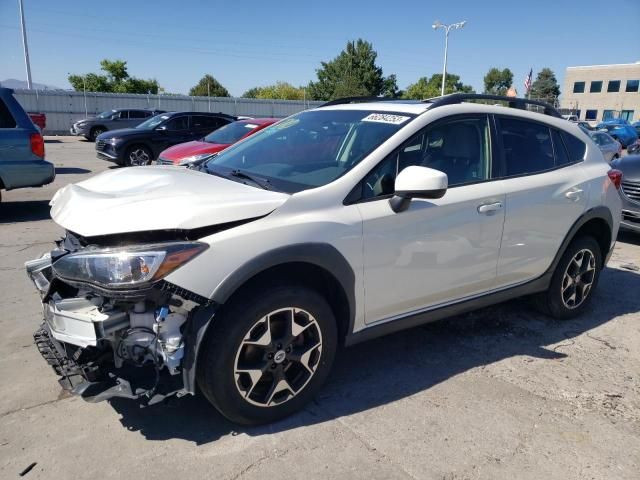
column 556, row 301
column 95, row 131
column 138, row 155
column 225, row 343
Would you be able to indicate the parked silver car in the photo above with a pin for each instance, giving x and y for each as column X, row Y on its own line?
column 115, row 119
column 630, row 191
column 609, row 146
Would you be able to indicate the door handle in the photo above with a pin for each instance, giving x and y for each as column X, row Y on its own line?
column 489, row 208
column 574, row 194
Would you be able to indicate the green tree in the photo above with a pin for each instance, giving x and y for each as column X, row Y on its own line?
column 545, row 87
column 352, row 73
column 497, row 82
column 116, row 70
column 277, row 91
column 116, row 80
column 431, row 87
column 209, row 87
column 92, row 82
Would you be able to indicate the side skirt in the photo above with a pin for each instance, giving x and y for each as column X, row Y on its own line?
column 438, row 313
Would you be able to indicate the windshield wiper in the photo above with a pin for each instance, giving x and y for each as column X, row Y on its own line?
column 261, row 182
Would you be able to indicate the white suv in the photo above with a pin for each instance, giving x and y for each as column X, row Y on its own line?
column 242, row 276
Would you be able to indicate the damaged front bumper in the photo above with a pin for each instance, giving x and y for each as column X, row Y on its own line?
column 139, row 345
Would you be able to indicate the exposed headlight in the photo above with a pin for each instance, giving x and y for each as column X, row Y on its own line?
column 128, row 266
column 195, row 158
column 113, row 141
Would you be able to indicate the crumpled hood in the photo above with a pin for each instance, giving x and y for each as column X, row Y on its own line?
column 138, row 199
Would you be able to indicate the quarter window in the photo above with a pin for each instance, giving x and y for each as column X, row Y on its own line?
column 527, row 147
column 460, row 148
column 596, row 87
column 575, row 147
column 578, row 87
column 613, row 86
column 591, row 114
column 560, row 153
column 632, row 85
column 6, row 119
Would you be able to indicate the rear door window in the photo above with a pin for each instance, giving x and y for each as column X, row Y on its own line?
column 138, row 114
column 178, row 123
column 6, row 119
column 527, row 147
column 206, row 123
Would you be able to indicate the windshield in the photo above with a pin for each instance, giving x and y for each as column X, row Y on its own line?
column 107, row 114
column 309, row 149
column 153, row 122
column 230, row 133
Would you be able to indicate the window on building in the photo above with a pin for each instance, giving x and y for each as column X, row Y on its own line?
column 608, row 115
column 632, row 85
column 578, row 113
column 613, row 86
column 596, row 87
column 578, row 87
column 591, row 114
column 627, row 115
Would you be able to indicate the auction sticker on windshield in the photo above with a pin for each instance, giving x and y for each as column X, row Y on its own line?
column 385, row 118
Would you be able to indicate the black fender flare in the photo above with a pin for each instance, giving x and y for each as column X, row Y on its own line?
column 600, row 212
column 320, row 255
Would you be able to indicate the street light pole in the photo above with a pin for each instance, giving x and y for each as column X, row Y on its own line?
column 24, row 44
column 447, row 29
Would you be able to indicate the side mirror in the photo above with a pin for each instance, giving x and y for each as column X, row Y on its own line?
column 417, row 182
column 162, row 128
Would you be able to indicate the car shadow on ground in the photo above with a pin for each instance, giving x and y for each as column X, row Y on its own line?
column 52, row 140
column 390, row 368
column 71, row 170
column 25, row 211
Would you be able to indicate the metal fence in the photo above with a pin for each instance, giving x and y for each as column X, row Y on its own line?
column 64, row 107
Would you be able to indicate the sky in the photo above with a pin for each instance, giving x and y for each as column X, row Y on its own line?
column 251, row 43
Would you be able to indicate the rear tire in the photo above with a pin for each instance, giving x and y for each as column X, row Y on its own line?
column 574, row 280
column 256, row 369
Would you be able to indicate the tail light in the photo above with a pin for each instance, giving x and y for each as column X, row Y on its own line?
column 616, row 177
column 37, row 144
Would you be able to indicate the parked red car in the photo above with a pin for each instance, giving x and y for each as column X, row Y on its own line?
column 215, row 142
column 39, row 119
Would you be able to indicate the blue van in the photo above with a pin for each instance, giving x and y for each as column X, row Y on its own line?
column 22, row 162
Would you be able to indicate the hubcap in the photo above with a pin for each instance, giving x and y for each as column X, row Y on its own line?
column 578, row 279
column 139, row 156
column 278, row 357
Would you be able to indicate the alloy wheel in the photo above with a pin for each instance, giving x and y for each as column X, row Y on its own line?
column 578, row 278
column 278, row 357
column 139, row 157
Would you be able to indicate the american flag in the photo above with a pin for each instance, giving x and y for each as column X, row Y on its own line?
column 527, row 81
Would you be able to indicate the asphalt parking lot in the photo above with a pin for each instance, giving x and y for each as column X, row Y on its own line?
column 503, row 393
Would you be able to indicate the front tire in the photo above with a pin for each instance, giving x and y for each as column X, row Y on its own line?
column 267, row 353
column 95, row 131
column 574, row 280
column 138, row 156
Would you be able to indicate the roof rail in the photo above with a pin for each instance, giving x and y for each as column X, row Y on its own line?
column 345, row 100
column 514, row 102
